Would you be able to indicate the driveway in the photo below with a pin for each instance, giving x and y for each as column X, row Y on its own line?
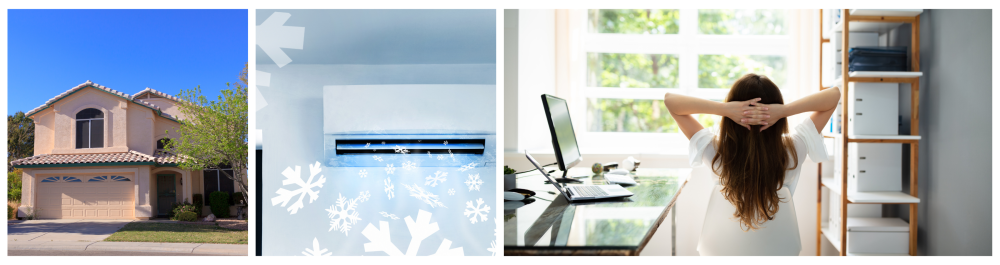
column 64, row 230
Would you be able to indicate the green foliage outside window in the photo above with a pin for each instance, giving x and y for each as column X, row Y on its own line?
column 721, row 71
column 634, row 21
column 741, row 22
column 632, row 70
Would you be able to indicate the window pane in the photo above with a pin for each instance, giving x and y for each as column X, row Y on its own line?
column 96, row 133
column 708, row 120
column 632, row 70
column 628, row 115
column 225, row 183
column 82, row 132
column 742, row 22
column 634, row 21
column 720, row 71
column 211, row 182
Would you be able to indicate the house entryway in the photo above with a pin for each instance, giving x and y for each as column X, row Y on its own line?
column 166, row 194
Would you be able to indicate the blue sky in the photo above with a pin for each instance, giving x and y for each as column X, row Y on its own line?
column 51, row 51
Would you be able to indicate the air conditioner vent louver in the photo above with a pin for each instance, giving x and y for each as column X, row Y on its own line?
column 413, row 146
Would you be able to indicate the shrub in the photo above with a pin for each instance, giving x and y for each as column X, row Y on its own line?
column 181, row 208
column 199, row 203
column 220, row 204
column 236, row 199
column 187, row 216
column 10, row 212
column 14, row 185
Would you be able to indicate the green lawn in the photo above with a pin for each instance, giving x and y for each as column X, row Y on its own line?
column 178, row 233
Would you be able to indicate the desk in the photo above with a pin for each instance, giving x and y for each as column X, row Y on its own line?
column 550, row 225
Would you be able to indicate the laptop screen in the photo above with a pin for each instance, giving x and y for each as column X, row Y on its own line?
column 546, row 174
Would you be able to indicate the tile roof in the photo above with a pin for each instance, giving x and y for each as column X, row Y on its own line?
column 134, row 99
column 155, row 92
column 123, row 157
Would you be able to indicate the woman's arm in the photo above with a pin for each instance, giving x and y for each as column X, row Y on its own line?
column 681, row 107
column 822, row 104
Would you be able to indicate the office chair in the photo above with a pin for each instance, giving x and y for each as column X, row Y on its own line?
column 722, row 235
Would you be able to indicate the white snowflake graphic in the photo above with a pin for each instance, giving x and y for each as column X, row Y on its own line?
column 440, row 157
column 389, row 188
column 316, row 251
column 389, row 169
column 438, row 177
column 467, row 167
column 451, row 191
column 383, row 142
column 377, row 158
column 452, row 155
column 479, row 210
column 419, row 230
column 445, row 142
column 305, row 187
column 400, row 149
column 391, row 216
column 429, row 154
column 409, row 165
column 367, row 145
column 363, row 173
column 364, row 196
column 423, row 195
column 343, row 215
column 496, row 237
column 277, row 36
column 474, row 182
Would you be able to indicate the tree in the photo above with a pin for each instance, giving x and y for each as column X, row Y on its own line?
column 213, row 134
column 20, row 137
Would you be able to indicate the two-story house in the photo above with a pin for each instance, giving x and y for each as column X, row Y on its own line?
column 98, row 155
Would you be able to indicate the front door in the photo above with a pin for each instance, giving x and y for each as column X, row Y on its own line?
column 166, row 194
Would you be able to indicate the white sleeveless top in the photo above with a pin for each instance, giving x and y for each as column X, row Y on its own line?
column 722, row 234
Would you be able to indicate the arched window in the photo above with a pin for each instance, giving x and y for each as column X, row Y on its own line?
column 162, row 143
column 90, row 129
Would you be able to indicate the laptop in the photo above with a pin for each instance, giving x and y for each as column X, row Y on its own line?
column 583, row 192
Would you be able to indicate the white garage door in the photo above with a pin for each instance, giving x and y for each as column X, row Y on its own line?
column 87, row 197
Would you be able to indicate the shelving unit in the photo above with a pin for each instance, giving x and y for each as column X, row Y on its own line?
column 870, row 20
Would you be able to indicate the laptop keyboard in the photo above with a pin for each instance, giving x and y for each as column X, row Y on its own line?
column 589, row 191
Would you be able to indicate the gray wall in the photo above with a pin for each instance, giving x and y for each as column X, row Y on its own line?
column 954, row 216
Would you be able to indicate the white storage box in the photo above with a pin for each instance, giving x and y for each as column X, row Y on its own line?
column 873, row 109
column 877, row 235
column 874, row 167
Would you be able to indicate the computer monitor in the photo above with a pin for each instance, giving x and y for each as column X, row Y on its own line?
column 563, row 137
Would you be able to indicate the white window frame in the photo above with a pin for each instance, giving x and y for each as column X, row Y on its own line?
column 687, row 44
column 90, row 129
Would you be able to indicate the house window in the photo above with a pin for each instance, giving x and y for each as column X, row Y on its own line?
column 89, row 129
column 633, row 57
column 215, row 180
column 162, row 142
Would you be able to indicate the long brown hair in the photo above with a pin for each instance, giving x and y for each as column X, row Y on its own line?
column 751, row 163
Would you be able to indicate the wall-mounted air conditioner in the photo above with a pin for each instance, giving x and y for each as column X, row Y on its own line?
column 431, row 125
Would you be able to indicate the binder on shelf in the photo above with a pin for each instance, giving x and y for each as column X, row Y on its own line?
column 877, row 59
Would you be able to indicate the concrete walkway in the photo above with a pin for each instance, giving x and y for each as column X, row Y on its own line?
column 87, row 235
column 192, row 248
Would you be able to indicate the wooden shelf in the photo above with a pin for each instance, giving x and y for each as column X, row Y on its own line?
column 876, row 197
column 881, row 197
column 876, row 254
column 906, row 139
column 880, row 21
column 885, row 74
column 887, row 12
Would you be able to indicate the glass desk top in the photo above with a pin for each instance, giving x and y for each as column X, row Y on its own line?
column 549, row 224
